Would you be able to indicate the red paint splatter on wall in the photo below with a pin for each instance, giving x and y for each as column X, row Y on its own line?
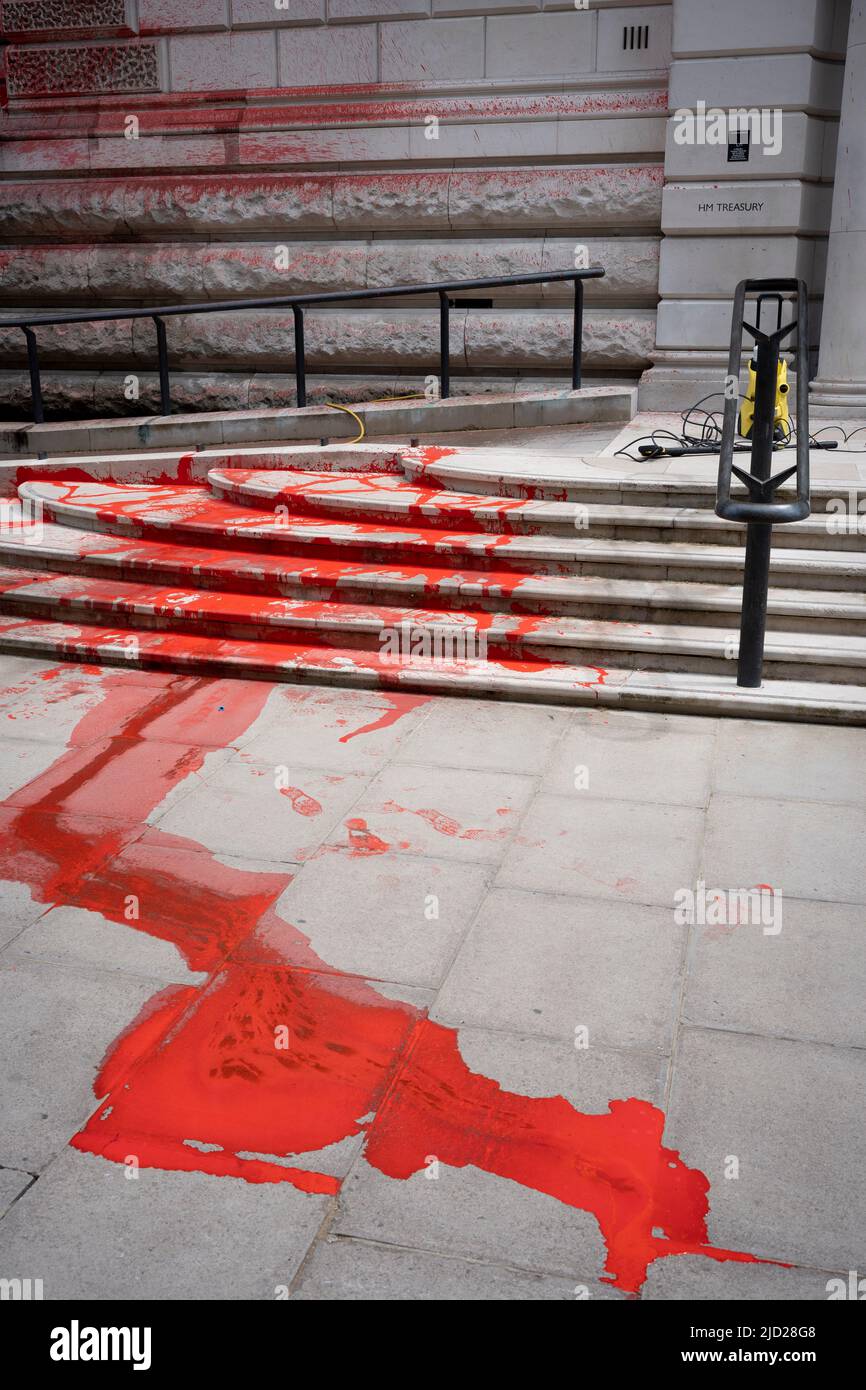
column 199, row 1081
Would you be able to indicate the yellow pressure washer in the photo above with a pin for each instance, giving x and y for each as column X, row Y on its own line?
column 781, row 416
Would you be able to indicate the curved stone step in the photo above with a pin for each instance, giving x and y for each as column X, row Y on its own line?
column 184, row 515
column 686, row 693
column 492, row 637
column 387, row 501
column 557, row 477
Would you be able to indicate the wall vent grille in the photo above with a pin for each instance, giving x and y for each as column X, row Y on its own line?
column 635, row 36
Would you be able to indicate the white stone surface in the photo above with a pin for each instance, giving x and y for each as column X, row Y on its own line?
column 197, row 271
column 329, row 56
column 440, row 50
column 364, row 10
column 786, row 80
column 710, row 266
column 484, row 7
column 536, row 45
column 793, row 149
column 774, row 26
column 215, row 62
column 262, row 14
column 704, row 323
column 613, row 53
column 177, row 16
column 781, row 207
column 841, row 378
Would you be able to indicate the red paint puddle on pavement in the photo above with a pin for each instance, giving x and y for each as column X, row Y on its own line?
column 201, row 1065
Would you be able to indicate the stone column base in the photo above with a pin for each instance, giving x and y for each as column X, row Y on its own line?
column 842, row 398
column 682, row 379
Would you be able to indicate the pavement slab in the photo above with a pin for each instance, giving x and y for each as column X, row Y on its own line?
column 22, row 760
column 339, row 730
column 50, row 703
column 751, row 981
column 623, row 850
column 17, row 909
column 484, row 735
column 278, row 812
column 74, row 936
column 470, row 1213
column 458, row 814
column 387, row 916
column 658, row 758
column 788, row 1117
column 691, row 1278
column 347, row 1270
column 90, row 1231
column 757, row 758
column 802, row 849
column 13, row 1183
column 578, row 969
column 57, row 1022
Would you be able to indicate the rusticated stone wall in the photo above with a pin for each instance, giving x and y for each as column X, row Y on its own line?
column 181, row 150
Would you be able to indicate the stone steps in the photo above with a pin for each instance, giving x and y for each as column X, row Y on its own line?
column 686, row 694
column 377, row 574
column 500, row 637
column 64, row 549
column 188, row 515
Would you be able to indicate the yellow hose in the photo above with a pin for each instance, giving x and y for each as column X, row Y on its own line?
column 383, row 400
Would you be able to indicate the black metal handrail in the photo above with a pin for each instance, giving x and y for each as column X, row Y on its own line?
column 298, row 303
column 761, row 512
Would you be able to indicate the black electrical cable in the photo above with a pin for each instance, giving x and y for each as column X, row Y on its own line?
column 665, row 443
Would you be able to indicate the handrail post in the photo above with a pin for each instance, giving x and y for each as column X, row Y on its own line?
column 300, row 356
column 164, row 381
column 35, row 377
column 577, row 340
column 444, row 346
column 753, row 614
column 756, row 570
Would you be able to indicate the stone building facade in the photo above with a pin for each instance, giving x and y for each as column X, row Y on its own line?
column 161, row 151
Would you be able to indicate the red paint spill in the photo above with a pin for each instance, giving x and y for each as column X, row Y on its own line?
column 200, row 1081
column 400, row 705
column 612, row 1164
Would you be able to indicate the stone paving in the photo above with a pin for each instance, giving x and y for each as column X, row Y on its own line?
column 462, row 908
